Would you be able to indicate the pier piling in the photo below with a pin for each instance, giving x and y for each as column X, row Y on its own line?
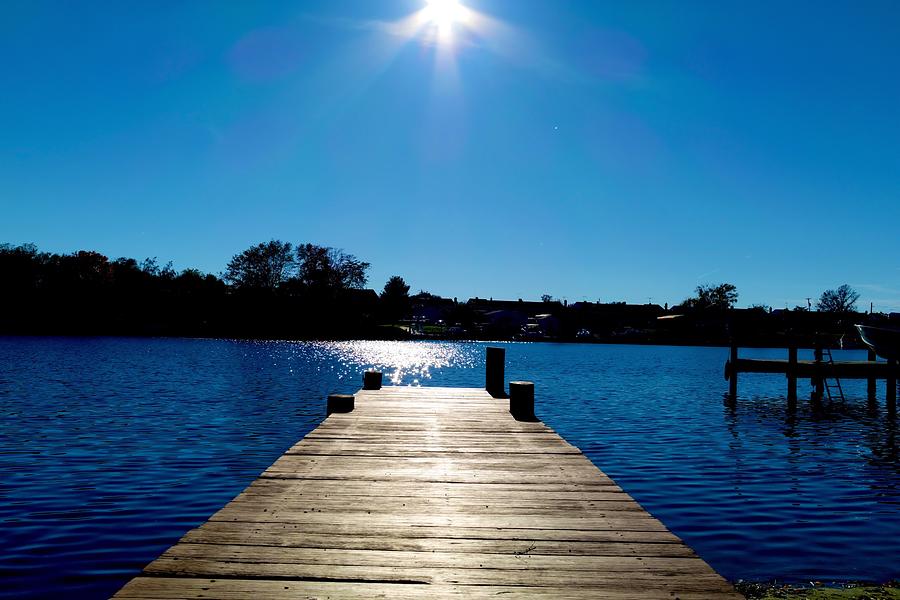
column 891, row 392
column 733, row 374
column 792, row 377
column 818, row 380
column 494, row 371
column 871, row 386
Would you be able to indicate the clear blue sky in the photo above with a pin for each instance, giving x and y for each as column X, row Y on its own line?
column 585, row 149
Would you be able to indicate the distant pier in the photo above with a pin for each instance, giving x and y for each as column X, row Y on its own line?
column 431, row 493
column 820, row 371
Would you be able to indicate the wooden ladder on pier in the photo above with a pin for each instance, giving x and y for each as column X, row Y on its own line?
column 832, row 390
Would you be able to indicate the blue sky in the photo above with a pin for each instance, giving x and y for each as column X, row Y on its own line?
column 585, row 149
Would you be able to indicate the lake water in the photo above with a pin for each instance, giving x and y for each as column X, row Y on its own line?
column 111, row 449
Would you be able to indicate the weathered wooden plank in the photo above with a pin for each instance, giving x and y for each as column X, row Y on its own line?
column 476, row 574
column 431, row 492
column 276, row 534
column 163, row 588
column 241, row 553
column 395, row 504
column 474, row 533
column 631, row 522
column 447, row 449
column 327, row 486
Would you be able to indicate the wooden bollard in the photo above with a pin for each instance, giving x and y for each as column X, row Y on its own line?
column 521, row 400
column 494, row 371
column 372, row 380
column 340, row 403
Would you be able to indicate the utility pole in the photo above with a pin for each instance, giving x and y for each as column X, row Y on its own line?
column 809, row 303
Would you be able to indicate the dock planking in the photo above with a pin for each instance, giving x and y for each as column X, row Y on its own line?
column 434, row 492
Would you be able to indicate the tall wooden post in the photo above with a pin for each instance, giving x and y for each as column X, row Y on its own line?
column 792, row 377
column 818, row 381
column 494, row 371
column 732, row 381
column 891, row 395
column 521, row 400
column 871, row 387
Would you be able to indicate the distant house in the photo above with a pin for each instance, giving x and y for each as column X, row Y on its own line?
column 504, row 323
column 547, row 324
column 524, row 306
column 430, row 309
column 616, row 317
column 429, row 313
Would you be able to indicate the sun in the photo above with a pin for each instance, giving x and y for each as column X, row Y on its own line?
column 444, row 13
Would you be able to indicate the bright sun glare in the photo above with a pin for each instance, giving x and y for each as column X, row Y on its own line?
column 444, row 13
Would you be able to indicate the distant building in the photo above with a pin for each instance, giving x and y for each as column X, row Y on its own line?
column 527, row 307
column 615, row 318
column 429, row 309
column 547, row 324
column 504, row 323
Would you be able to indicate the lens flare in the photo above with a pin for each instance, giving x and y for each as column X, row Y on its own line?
column 444, row 13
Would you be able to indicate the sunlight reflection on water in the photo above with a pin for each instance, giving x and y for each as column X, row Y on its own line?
column 401, row 362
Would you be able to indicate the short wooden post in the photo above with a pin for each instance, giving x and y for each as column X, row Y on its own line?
column 891, row 392
column 521, row 400
column 372, row 380
column 494, row 371
column 872, row 384
column 733, row 374
column 340, row 403
column 792, row 376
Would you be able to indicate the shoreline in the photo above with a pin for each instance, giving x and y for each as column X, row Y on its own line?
column 492, row 340
column 836, row 590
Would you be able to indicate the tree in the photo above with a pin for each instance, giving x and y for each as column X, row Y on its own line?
column 395, row 288
column 721, row 297
column 329, row 270
column 20, row 266
column 262, row 267
column 841, row 300
column 194, row 281
column 546, row 298
column 150, row 266
column 395, row 298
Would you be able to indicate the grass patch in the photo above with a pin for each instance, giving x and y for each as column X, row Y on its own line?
column 854, row 591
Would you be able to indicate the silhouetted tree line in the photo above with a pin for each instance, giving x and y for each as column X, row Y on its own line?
column 271, row 290
column 277, row 290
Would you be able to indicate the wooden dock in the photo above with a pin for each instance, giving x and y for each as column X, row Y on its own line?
column 430, row 493
column 819, row 371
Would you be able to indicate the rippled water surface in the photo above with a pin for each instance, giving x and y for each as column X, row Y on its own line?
column 110, row 449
